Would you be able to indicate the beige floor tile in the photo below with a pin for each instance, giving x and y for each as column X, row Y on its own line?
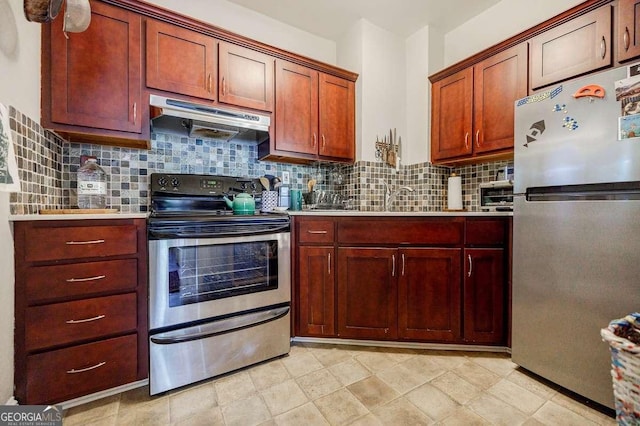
column 137, row 396
column 399, row 354
column 190, row 401
column 92, row 411
column 496, row 411
column 234, row 387
column 210, row 417
column 283, row 397
column 543, row 390
column 500, row 364
column 297, row 349
column 464, row 417
column 456, row 387
column 447, row 359
column 425, row 366
column 554, row 414
column 301, row 364
column 372, row 392
column 477, row 375
column 432, row 401
column 307, row 415
column 340, row 407
column 403, row 379
column 102, row 421
column 153, row 413
column 583, row 410
column 349, row 372
column 331, row 355
column 532, row 422
column 517, row 396
column 246, row 412
column 269, row 374
column 375, row 361
column 401, row 412
column 319, row 383
column 368, row 420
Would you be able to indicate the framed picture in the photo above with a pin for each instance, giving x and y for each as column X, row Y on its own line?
column 629, row 126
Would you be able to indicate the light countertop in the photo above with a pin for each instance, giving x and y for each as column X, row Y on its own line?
column 389, row 214
column 26, row 217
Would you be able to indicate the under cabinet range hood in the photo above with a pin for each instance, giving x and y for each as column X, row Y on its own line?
column 207, row 121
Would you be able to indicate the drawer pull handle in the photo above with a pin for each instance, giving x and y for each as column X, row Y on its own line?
column 466, row 140
column 79, row 280
column 626, row 40
column 329, row 263
column 603, row 48
column 82, row 370
column 470, row 266
column 316, row 232
column 393, row 266
column 76, row 243
column 99, row 317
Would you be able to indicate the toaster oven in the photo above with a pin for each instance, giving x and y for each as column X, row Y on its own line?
column 496, row 196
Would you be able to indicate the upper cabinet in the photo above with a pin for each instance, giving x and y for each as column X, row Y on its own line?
column 181, row 61
column 628, row 37
column 314, row 115
column 91, row 81
column 576, row 47
column 473, row 109
column 245, row 77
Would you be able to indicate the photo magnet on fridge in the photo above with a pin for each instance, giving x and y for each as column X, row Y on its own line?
column 629, row 127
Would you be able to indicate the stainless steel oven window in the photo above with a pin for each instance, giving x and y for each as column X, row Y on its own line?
column 215, row 271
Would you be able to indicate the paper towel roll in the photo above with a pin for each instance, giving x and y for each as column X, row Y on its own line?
column 454, row 194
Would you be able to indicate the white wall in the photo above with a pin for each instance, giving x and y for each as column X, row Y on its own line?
column 246, row 22
column 350, row 49
column 20, row 87
column 415, row 146
column 498, row 23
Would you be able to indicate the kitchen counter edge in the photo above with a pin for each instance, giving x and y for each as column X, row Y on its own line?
column 401, row 214
column 27, row 217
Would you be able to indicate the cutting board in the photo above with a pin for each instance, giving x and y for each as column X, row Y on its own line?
column 78, row 211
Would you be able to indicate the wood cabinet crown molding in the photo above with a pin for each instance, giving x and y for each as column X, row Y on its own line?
column 524, row 36
column 175, row 18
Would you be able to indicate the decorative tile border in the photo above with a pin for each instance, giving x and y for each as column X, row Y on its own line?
column 48, row 168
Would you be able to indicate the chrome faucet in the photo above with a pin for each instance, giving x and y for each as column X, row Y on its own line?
column 390, row 195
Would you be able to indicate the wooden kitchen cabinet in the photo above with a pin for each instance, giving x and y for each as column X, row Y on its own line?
column 473, row 109
column 80, row 307
column 628, row 25
column 367, row 293
column 91, row 81
column 180, row 60
column 245, row 77
column 316, row 281
column 577, row 47
column 314, row 115
column 429, row 294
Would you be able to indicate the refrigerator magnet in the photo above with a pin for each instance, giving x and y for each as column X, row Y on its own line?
column 629, row 127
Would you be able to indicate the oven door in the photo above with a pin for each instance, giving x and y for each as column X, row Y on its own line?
column 194, row 279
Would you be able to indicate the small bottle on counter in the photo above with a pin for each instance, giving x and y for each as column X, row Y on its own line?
column 92, row 186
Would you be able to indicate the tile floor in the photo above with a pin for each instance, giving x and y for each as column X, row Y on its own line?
column 349, row 385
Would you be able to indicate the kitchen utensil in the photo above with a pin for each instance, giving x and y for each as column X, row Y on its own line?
column 242, row 203
column 77, row 16
column 277, row 183
column 41, row 10
column 311, row 184
column 269, row 200
column 265, row 183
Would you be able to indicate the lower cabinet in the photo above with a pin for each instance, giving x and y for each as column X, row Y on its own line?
column 443, row 284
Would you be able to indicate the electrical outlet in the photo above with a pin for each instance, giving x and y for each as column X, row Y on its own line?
column 285, row 178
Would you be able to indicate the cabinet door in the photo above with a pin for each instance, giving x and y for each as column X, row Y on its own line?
column 180, row 60
column 245, row 77
column 451, row 116
column 484, row 295
column 367, row 293
column 577, row 47
column 296, row 108
column 429, row 294
column 337, row 118
column 498, row 82
column 95, row 75
column 317, row 291
column 628, row 29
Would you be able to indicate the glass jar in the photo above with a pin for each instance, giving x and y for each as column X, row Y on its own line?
column 92, row 186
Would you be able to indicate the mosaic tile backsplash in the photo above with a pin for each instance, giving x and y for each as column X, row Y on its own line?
column 48, row 168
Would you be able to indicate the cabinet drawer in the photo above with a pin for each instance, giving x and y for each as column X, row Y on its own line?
column 79, row 370
column 80, row 279
column 485, row 231
column 63, row 323
column 315, row 231
column 77, row 242
column 401, row 231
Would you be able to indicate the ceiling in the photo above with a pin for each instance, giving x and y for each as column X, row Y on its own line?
column 330, row 19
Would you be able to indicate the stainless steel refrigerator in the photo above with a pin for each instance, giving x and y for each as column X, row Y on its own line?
column 576, row 249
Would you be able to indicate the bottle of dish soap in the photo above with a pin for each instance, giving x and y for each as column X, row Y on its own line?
column 92, row 186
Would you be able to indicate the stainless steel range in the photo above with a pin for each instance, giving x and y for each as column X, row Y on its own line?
column 219, row 284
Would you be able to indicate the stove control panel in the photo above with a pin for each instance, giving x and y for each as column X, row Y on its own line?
column 202, row 185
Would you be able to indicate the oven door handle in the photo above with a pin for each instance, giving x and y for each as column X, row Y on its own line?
column 219, row 327
column 236, row 233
